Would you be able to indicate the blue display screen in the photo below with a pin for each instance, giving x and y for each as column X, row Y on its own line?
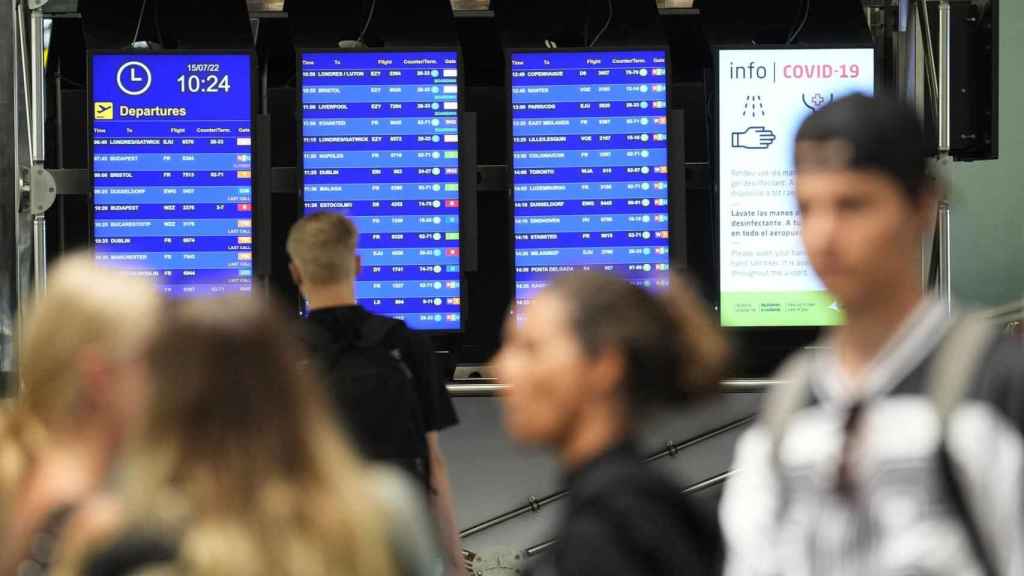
column 172, row 168
column 380, row 144
column 590, row 166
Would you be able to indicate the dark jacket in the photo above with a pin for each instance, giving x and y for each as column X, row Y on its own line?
column 626, row 519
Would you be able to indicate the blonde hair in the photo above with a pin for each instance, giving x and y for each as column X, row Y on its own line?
column 323, row 247
column 241, row 458
column 86, row 306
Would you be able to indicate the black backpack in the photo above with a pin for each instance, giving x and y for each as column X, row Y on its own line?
column 374, row 394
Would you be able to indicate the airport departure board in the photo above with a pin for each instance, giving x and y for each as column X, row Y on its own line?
column 590, row 165
column 380, row 144
column 171, row 143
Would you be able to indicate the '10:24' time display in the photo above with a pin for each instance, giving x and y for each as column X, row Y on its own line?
column 198, row 83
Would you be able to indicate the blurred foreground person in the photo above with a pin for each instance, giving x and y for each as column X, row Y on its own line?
column 381, row 375
column 241, row 470
column 592, row 353
column 895, row 447
column 82, row 391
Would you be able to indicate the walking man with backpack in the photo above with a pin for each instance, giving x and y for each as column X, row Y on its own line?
column 895, row 447
column 380, row 374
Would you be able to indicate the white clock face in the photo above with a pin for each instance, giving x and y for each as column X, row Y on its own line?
column 134, row 78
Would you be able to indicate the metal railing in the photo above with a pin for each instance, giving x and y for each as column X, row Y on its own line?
column 489, row 387
column 1010, row 317
column 259, row 7
column 535, row 504
column 1013, row 311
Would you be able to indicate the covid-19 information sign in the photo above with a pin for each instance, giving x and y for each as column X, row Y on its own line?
column 171, row 141
column 763, row 97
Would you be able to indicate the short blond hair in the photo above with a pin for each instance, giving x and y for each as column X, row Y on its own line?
column 323, row 247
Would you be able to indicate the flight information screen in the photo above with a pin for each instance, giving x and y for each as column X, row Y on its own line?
column 380, row 144
column 590, row 166
column 172, row 168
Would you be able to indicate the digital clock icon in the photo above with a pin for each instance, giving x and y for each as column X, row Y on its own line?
column 134, row 78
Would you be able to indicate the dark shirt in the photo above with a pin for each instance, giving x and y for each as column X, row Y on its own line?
column 626, row 519
column 342, row 325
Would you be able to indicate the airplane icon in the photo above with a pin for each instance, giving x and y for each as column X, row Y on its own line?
column 103, row 110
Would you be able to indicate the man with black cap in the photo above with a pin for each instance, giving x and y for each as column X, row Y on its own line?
column 895, row 447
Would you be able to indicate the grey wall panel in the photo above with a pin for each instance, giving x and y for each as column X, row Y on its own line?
column 491, row 475
column 988, row 197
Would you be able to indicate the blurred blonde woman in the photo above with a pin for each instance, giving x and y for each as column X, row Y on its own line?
column 240, row 469
column 81, row 393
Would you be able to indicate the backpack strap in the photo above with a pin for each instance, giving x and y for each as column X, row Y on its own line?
column 950, row 375
column 376, row 331
column 787, row 398
column 957, row 362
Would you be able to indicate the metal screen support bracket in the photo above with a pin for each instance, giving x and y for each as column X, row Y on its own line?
column 41, row 188
column 945, row 279
column 945, row 209
column 38, row 192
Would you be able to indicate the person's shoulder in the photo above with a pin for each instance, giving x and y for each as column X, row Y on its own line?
column 620, row 489
column 791, row 394
column 414, row 345
column 1000, row 380
column 799, row 364
column 396, row 329
column 588, row 530
column 383, row 318
column 407, row 520
column 1007, row 353
column 645, row 515
column 394, row 489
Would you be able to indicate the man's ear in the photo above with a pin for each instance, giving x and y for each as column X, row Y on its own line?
column 358, row 266
column 296, row 275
